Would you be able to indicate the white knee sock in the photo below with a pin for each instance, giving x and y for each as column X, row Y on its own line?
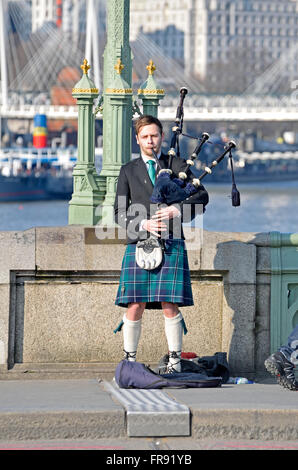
column 131, row 336
column 174, row 332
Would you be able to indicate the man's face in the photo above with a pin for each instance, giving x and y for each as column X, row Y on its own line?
column 148, row 138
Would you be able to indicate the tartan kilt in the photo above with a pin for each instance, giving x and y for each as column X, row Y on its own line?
column 169, row 282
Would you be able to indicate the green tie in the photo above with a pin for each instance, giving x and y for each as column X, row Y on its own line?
column 151, row 170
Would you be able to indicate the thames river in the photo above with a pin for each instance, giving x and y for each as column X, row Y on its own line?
column 264, row 207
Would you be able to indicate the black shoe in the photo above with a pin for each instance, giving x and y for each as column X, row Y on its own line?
column 130, row 356
column 282, row 370
column 174, row 365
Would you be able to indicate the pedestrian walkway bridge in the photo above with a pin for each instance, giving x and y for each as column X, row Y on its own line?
column 197, row 108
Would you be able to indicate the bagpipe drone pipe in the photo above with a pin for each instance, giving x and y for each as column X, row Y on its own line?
column 171, row 190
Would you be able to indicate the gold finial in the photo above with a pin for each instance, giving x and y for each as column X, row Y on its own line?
column 85, row 67
column 119, row 66
column 151, row 67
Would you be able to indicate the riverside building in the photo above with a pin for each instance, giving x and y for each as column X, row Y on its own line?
column 199, row 33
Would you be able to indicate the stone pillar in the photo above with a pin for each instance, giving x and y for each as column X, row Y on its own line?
column 117, row 107
column 150, row 93
column 88, row 186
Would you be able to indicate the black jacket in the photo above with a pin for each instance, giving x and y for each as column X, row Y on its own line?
column 132, row 202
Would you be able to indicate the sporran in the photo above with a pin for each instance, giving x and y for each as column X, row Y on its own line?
column 149, row 253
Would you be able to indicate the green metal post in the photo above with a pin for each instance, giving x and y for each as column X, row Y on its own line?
column 150, row 93
column 117, row 107
column 88, row 186
column 284, row 287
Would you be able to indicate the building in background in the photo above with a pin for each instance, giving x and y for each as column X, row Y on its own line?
column 169, row 24
column 68, row 14
column 202, row 34
column 43, row 11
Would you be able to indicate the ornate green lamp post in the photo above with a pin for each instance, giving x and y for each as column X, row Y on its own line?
column 117, row 107
column 93, row 195
column 88, row 186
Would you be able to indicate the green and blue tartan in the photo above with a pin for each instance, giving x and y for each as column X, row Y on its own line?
column 169, row 282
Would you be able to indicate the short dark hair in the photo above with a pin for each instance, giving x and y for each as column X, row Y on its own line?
column 146, row 120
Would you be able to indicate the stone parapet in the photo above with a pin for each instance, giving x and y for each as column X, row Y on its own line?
column 58, row 286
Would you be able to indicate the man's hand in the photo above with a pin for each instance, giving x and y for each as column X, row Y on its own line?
column 166, row 213
column 154, row 226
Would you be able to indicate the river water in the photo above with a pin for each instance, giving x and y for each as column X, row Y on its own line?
column 264, row 207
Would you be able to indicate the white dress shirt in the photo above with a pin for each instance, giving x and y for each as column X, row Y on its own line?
column 146, row 159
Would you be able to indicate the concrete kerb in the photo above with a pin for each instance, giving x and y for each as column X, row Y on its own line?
column 83, row 409
column 58, row 409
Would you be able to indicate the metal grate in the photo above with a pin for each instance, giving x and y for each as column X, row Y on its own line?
column 151, row 413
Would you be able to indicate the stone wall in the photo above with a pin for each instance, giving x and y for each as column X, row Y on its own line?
column 58, row 287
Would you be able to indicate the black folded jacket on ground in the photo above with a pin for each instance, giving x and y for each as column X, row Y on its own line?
column 212, row 366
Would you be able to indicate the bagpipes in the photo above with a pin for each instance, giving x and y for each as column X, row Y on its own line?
column 171, row 190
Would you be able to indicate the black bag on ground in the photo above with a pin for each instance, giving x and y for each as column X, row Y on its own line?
column 137, row 375
column 216, row 365
column 212, row 366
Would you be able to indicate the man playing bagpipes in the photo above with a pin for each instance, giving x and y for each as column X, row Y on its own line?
column 155, row 271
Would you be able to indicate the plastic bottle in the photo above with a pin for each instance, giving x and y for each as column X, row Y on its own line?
column 239, row 380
